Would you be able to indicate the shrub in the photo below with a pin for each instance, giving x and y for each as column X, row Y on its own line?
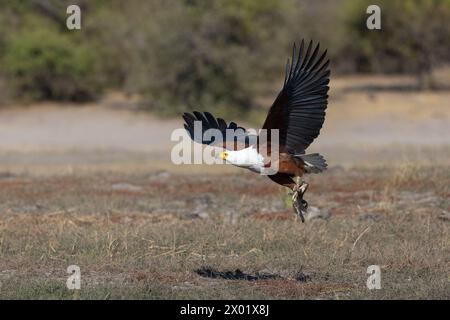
column 217, row 55
column 44, row 63
column 414, row 37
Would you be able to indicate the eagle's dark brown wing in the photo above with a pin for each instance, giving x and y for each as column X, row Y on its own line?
column 299, row 110
column 232, row 136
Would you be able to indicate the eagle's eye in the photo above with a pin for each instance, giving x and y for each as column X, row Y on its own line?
column 224, row 155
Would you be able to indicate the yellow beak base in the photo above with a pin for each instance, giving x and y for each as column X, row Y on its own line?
column 223, row 155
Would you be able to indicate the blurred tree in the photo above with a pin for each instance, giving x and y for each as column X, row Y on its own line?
column 414, row 37
column 220, row 55
column 196, row 54
column 40, row 58
column 44, row 64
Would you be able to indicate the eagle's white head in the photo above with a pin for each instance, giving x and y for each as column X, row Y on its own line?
column 246, row 158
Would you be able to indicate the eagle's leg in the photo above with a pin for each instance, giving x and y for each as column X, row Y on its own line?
column 300, row 205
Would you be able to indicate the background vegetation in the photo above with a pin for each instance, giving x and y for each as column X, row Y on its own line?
column 219, row 54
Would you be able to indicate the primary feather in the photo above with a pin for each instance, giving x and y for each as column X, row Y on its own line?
column 299, row 109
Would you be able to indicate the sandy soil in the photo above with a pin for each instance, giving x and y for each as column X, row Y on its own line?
column 368, row 122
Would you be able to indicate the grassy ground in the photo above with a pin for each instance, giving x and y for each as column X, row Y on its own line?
column 94, row 186
column 167, row 235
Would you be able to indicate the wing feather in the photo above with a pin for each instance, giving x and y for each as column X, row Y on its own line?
column 236, row 139
column 299, row 109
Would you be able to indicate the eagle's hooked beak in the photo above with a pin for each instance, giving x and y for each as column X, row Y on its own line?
column 223, row 155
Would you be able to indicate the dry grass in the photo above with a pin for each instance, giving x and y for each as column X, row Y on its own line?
column 148, row 242
column 65, row 176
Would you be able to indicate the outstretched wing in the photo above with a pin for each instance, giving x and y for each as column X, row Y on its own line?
column 216, row 132
column 299, row 110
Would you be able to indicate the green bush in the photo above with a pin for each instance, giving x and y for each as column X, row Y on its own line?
column 46, row 64
column 414, row 37
column 225, row 56
column 216, row 55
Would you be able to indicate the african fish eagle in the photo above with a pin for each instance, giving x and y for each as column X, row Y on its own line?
column 298, row 113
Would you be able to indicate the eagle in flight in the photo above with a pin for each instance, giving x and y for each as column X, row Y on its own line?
column 297, row 113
